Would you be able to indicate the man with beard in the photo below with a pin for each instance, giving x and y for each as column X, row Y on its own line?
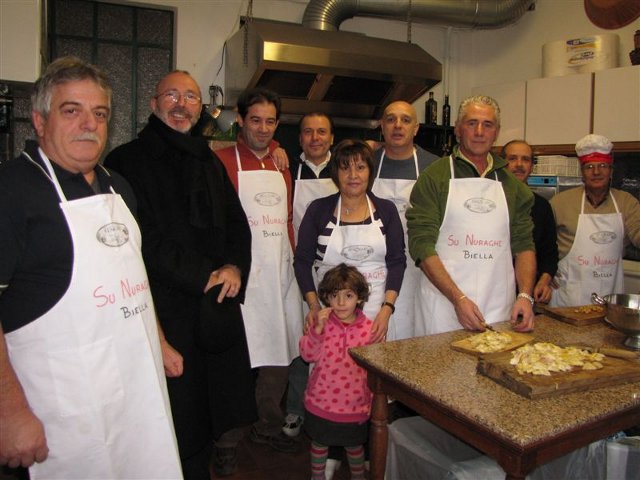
column 519, row 156
column 197, row 247
column 594, row 223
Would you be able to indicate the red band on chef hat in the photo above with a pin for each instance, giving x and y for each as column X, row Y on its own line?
column 596, row 157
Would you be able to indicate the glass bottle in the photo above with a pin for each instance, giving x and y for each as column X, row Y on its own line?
column 446, row 112
column 431, row 111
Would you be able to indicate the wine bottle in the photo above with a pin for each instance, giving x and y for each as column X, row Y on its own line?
column 431, row 111
column 446, row 112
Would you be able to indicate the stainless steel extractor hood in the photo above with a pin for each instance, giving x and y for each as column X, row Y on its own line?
column 343, row 74
column 316, row 67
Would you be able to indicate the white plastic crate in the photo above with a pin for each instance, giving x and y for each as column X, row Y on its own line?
column 557, row 165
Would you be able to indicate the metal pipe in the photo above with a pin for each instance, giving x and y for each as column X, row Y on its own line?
column 329, row 14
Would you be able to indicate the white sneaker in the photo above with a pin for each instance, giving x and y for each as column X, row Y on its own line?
column 331, row 468
column 292, row 425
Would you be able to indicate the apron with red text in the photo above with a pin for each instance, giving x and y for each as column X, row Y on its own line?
column 594, row 262
column 475, row 247
column 398, row 191
column 272, row 309
column 305, row 192
column 363, row 247
column 91, row 367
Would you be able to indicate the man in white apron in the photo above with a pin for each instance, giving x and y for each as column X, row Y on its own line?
column 469, row 215
column 272, row 310
column 311, row 180
column 399, row 162
column 83, row 391
column 594, row 223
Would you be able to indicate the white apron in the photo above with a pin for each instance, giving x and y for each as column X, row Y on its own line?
column 361, row 246
column 398, row 191
column 272, row 309
column 594, row 262
column 306, row 191
column 475, row 247
column 91, row 367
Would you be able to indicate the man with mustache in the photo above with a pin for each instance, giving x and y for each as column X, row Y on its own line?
column 594, row 224
column 82, row 388
column 197, row 247
column 519, row 156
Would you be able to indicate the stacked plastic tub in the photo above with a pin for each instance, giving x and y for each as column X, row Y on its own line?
column 418, row 450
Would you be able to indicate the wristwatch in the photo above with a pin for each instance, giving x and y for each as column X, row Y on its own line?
column 527, row 296
column 390, row 305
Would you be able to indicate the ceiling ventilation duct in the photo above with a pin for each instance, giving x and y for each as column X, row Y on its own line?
column 315, row 67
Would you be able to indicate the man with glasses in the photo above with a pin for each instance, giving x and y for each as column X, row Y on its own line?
column 594, row 223
column 197, row 248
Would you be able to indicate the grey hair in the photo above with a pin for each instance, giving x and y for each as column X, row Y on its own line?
column 184, row 72
column 61, row 71
column 478, row 100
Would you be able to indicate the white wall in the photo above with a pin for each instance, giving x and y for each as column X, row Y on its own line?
column 512, row 53
column 477, row 57
column 19, row 39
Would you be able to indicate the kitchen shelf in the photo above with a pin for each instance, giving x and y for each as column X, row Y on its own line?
column 434, row 138
column 569, row 149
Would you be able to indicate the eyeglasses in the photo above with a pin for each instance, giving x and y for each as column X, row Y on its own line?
column 590, row 167
column 173, row 95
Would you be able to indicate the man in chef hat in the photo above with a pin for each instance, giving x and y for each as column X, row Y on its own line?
column 594, row 223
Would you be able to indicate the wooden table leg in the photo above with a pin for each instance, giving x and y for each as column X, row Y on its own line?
column 379, row 435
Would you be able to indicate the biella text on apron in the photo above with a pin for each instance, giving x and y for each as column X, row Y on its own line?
column 91, row 367
column 474, row 244
column 272, row 309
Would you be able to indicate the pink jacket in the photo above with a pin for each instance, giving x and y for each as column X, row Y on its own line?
column 337, row 389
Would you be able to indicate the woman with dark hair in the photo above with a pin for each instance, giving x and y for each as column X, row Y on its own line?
column 354, row 227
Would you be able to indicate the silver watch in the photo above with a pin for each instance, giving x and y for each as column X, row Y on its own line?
column 527, row 296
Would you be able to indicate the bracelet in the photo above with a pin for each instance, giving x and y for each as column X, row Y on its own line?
column 314, row 304
column 390, row 305
column 527, row 296
column 460, row 298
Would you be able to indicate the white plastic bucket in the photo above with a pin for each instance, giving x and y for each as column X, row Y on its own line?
column 580, row 55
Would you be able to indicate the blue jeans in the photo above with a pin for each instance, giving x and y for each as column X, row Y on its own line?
column 298, row 377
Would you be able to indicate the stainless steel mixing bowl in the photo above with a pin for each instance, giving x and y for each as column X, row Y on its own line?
column 623, row 313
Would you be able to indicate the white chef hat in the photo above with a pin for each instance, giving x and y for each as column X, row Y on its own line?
column 594, row 148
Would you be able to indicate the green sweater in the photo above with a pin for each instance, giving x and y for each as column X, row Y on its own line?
column 429, row 202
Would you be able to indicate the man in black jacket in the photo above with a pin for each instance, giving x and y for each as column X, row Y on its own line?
column 197, row 248
column 520, row 157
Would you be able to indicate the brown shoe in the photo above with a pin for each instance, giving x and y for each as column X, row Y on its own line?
column 279, row 441
column 225, row 461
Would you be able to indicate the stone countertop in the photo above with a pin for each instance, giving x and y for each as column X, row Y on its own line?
column 431, row 367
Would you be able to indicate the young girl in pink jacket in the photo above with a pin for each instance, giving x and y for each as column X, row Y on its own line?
column 337, row 399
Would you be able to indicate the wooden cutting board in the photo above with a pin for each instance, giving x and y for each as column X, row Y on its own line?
column 517, row 340
column 569, row 315
column 615, row 372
